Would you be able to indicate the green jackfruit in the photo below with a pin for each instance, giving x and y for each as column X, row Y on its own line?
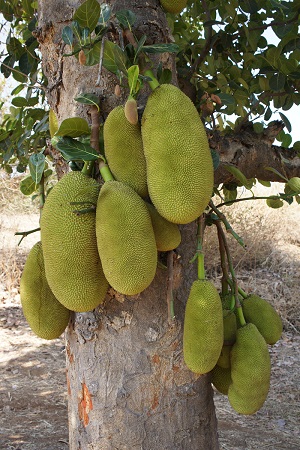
column 124, row 151
column 258, row 311
column 45, row 315
column 203, row 327
column 230, row 327
column 173, row 6
column 125, row 238
column 72, row 264
column 167, row 234
column 221, row 379
column 178, row 159
column 250, row 371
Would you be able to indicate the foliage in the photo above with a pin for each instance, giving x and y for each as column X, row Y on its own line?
column 220, row 48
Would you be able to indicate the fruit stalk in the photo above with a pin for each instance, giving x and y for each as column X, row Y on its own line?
column 170, row 299
column 200, row 254
column 154, row 83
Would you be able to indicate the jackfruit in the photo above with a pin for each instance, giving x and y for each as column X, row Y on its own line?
column 230, row 327
column 203, row 327
column 45, row 315
column 167, row 234
column 173, row 6
column 72, row 264
column 125, row 238
column 178, row 159
column 131, row 112
column 124, row 151
column 250, row 371
column 221, row 379
column 268, row 322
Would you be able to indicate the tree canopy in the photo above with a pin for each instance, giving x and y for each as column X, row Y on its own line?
column 233, row 73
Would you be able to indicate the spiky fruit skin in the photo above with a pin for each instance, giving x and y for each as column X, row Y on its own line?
column 125, row 238
column 124, row 151
column 250, row 371
column 230, row 326
column 46, row 316
column 173, row 6
column 203, row 327
column 178, row 158
column 72, row 264
column 268, row 322
column 167, row 234
column 221, row 379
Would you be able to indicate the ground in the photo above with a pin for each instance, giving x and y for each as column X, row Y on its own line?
column 33, row 399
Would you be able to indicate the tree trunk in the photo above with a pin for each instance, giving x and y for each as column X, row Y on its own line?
column 128, row 387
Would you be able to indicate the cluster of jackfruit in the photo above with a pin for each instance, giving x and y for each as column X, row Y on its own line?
column 94, row 236
column 243, row 369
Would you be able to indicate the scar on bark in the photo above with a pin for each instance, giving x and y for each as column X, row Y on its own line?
column 85, row 404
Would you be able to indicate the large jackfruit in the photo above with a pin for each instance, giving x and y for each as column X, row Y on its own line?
column 178, row 159
column 258, row 311
column 221, row 379
column 46, row 316
column 125, row 238
column 250, row 371
column 167, row 234
column 72, row 263
column 203, row 327
column 173, row 6
column 124, row 151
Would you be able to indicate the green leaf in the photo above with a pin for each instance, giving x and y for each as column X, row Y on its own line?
column 19, row 102
column 27, row 6
column 265, row 183
column 277, row 82
column 229, row 195
column 73, row 127
column 226, row 99
column 216, row 158
column 87, row 15
column 105, row 14
column 271, row 169
column 166, row 77
column 239, row 176
column 258, row 127
column 17, row 89
column 296, row 145
column 274, row 202
column 133, row 77
column 73, row 150
column 268, row 114
column 109, row 57
column 140, row 46
column 120, row 59
column 126, row 18
column 161, row 48
column 67, row 35
column 36, row 166
column 287, row 140
column 28, row 186
column 88, row 99
column 286, row 122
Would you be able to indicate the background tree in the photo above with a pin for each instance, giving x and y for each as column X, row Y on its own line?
column 127, row 383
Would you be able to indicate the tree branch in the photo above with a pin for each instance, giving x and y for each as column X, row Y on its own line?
column 251, row 153
column 207, row 46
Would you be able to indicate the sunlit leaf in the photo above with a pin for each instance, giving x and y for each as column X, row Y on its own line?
column 73, row 127
column 28, row 186
column 88, row 13
column 75, row 150
column 36, row 166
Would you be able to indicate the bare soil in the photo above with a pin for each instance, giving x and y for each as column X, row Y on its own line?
column 33, row 398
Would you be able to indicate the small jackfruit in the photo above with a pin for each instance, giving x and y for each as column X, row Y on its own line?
column 221, row 379
column 125, row 238
column 230, row 327
column 203, row 327
column 179, row 164
column 268, row 322
column 131, row 112
column 173, row 6
column 72, row 264
column 46, row 316
column 124, row 151
column 250, row 371
column 167, row 234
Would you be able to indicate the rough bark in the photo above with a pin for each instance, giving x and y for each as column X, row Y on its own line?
column 128, row 386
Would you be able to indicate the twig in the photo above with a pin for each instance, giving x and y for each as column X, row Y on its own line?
column 100, row 61
column 228, row 227
column 25, row 233
column 207, row 46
